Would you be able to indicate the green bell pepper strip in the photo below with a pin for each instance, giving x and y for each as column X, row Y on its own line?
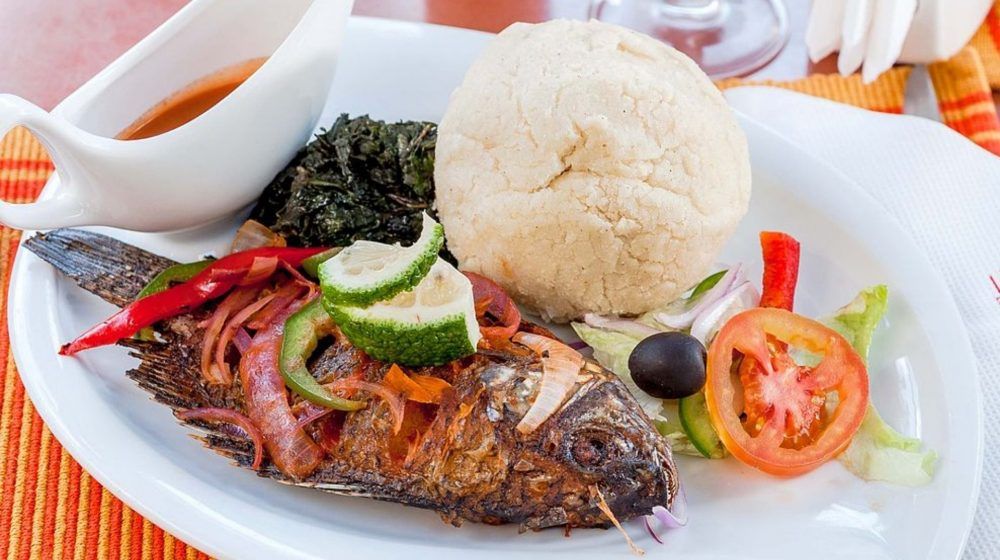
column 311, row 265
column 302, row 332
column 706, row 284
column 170, row 275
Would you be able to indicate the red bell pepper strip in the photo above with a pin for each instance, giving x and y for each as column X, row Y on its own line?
column 212, row 282
column 781, row 269
column 490, row 299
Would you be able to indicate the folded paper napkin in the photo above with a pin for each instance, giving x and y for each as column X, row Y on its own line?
column 51, row 508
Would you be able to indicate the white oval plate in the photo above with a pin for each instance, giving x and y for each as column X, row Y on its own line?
column 922, row 372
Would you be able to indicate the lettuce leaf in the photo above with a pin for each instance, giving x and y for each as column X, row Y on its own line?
column 878, row 452
column 674, row 433
column 857, row 320
column 611, row 350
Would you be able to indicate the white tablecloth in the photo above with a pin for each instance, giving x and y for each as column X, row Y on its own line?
column 945, row 191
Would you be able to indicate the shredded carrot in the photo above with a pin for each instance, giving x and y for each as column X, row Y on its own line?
column 419, row 388
column 433, row 385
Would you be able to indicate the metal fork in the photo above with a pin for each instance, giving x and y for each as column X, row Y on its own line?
column 920, row 98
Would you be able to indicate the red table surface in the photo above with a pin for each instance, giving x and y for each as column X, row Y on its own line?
column 48, row 48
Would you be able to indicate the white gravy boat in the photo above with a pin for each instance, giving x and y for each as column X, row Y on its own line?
column 215, row 164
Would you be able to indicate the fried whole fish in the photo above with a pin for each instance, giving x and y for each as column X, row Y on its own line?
column 463, row 458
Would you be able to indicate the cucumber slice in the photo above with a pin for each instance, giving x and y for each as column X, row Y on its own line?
column 367, row 272
column 311, row 264
column 432, row 324
column 698, row 426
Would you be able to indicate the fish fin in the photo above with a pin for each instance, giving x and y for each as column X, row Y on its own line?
column 234, row 447
column 340, row 488
column 102, row 265
column 170, row 372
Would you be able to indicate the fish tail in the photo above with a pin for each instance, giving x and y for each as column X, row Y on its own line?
column 102, row 265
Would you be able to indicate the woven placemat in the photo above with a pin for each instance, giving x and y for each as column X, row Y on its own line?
column 51, row 508
column 986, row 41
column 963, row 91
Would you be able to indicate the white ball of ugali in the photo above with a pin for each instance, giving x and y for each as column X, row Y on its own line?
column 588, row 168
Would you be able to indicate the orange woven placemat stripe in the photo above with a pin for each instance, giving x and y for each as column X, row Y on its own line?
column 885, row 94
column 986, row 41
column 965, row 98
column 964, row 94
column 51, row 508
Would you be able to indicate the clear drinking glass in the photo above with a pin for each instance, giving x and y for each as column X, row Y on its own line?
column 725, row 37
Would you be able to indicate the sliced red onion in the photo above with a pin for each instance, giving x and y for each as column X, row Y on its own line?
column 673, row 518
column 560, row 368
column 685, row 318
column 649, row 529
column 230, row 417
column 242, row 340
column 253, row 234
column 313, row 414
column 260, row 269
column 578, row 345
column 301, row 280
column 625, row 326
column 229, row 331
column 710, row 320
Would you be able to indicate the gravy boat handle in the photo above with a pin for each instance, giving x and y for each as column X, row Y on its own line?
column 61, row 139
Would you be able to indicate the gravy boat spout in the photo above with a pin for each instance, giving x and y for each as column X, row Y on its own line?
column 209, row 167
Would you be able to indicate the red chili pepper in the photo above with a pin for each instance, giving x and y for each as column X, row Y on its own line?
column 212, row 282
column 781, row 269
column 491, row 299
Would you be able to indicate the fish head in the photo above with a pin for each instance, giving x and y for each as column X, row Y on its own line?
column 605, row 436
column 601, row 443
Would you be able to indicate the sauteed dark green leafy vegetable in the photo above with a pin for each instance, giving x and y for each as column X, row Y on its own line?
column 361, row 179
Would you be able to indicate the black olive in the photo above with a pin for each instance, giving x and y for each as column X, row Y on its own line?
column 669, row 365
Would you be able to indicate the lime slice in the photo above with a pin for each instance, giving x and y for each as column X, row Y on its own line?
column 432, row 324
column 367, row 271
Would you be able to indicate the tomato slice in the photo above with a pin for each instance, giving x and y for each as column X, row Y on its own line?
column 772, row 413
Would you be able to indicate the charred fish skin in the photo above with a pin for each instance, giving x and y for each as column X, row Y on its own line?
column 598, row 441
column 470, row 463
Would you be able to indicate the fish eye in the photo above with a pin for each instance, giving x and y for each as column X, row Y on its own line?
column 588, row 451
column 594, row 449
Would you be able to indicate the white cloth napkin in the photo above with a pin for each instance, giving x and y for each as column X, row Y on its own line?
column 945, row 191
